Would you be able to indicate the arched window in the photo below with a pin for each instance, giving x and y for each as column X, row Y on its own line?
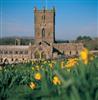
column 43, row 17
column 77, row 53
column 16, row 52
column 12, row 59
column 43, row 33
column 70, row 52
column 21, row 52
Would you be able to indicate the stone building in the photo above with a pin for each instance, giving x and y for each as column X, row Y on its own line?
column 45, row 46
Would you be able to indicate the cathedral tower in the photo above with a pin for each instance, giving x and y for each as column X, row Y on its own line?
column 44, row 23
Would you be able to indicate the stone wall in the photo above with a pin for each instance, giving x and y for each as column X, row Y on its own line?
column 14, row 53
column 69, row 49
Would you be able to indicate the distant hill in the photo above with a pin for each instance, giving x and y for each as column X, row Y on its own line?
column 11, row 40
column 90, row 43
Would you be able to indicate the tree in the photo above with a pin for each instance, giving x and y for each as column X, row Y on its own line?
column 83, row 38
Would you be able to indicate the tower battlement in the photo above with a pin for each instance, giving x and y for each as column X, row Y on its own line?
column 44, row 9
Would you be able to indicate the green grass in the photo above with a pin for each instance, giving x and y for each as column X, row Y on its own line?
column 81, row 83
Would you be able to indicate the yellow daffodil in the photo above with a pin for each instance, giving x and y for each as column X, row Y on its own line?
column 56, row 80
column 32, row 85
column 91, row 56
column 62, row 64
column 0, row 68
column 37, row 76
column 50, row 65
column 54, row 62
column 68, row 70
column 71, row 63
column 84, row 55
column 32, row 62
column 37, row 67
column 45, row 62
column 33, row 68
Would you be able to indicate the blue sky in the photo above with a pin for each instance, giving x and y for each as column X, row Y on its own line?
column 73, row 17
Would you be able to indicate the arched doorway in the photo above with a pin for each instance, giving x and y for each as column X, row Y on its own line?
column 37, row 55
column 43, row 55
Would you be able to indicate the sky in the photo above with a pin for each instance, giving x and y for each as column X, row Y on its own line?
column 73, row 17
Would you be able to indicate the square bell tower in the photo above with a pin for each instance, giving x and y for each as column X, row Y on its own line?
column 44, row 25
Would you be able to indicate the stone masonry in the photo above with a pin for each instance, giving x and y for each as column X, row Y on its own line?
column 44, row 46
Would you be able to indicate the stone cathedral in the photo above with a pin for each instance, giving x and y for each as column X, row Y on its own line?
column 45, row 46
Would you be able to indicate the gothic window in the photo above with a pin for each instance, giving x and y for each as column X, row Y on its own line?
column 40, row 43
column 43, row 17
column 77, row 53
column 12, row 59
column 43, row 33
column 16, row 52
column 21, row 52
column 70, row 52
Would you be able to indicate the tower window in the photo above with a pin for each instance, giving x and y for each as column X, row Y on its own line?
column 43, row 17
column 43, row 33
